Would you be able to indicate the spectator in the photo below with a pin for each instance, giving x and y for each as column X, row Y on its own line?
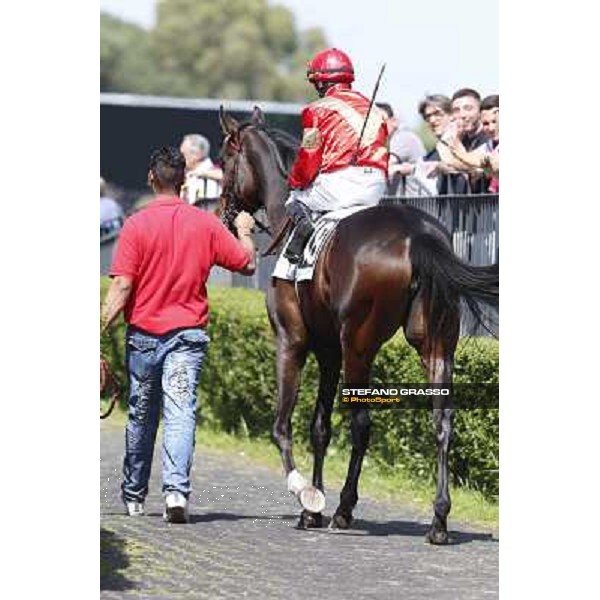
column 404, row 145
column 427, row 175
column 466, row 110
column 490, row 119
column 436, row 111
column 162, row 261
column 486, row 156
column 405, row 148
column 111, row 213
column 202, row 177
column 466, row 127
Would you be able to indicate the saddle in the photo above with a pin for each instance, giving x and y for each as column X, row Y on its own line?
column 324, row 226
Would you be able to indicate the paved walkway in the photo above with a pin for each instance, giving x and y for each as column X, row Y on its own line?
column 242, row 543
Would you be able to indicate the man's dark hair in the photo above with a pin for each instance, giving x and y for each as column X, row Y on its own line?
column 439, row 100
column 384, row 106
column 168, row 167
column 490, row 102
column 466, row 92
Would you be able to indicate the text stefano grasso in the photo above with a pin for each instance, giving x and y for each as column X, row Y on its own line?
column 421, row 391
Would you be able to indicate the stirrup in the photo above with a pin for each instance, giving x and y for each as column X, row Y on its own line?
column 298, row 240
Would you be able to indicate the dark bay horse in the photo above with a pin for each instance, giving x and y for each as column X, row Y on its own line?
column 383, row 268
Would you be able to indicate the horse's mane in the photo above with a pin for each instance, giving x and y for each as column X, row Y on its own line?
column 287, row 145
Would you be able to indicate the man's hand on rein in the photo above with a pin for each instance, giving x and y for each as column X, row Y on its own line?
column 244, row 224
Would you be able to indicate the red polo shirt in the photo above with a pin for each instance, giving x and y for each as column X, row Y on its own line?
column 168, row 249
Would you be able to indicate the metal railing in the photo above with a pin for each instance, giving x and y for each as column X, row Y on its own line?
column 473, row 221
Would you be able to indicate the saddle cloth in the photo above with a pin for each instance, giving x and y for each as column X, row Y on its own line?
column 324, row 227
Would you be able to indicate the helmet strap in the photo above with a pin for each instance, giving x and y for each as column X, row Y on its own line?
column 321, row 87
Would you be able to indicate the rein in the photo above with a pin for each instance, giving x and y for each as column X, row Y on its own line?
column 109, row 382
column 264, row 228
column 280, row 235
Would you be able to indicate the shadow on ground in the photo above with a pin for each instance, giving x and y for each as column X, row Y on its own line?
column 362, row 527
column 113, row 560
column 223, row 516
column 412, row 528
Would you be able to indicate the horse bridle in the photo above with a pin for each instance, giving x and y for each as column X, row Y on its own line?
column 231, row 206
column 234, row 200
column 234, row 203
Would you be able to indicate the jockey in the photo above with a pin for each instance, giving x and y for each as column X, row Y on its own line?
column 331, row 171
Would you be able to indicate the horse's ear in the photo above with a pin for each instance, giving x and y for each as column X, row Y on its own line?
column 228, row 123
column 258, row 118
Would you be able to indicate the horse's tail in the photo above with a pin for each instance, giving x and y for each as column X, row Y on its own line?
column 446, row 279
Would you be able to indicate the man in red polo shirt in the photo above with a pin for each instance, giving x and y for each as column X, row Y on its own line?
column 163, row 259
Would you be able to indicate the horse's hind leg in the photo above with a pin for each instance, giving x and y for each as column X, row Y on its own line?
column 329, row 360
column 439, row 370
column 437, row 355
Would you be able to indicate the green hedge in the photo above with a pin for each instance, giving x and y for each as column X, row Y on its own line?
column 238, row 393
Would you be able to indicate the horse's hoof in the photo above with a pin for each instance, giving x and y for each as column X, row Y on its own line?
column 312, row 499
column 310, row 520
column 437, row 537
column 340, row 522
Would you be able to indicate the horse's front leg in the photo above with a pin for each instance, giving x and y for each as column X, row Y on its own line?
column 291, row 355
column 329, row 360
column 292, row 348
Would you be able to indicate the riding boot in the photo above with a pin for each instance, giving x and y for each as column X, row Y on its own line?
column 299, row 236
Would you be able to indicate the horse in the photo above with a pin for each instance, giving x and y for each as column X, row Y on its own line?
column 383, row 268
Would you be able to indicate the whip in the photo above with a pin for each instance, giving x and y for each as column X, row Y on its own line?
column 355, row 155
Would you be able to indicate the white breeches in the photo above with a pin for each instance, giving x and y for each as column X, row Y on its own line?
column 351, row 186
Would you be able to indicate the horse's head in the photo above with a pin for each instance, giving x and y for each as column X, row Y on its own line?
column 240, row 181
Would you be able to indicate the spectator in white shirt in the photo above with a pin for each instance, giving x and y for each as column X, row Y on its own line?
column 202, row 177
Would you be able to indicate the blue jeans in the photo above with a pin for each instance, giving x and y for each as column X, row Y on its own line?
column 163, row 371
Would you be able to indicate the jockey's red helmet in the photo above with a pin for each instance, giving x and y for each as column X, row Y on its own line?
column 330, row 66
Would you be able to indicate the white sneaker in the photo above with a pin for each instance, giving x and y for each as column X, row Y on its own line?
column 176, row 508
column 135, row 509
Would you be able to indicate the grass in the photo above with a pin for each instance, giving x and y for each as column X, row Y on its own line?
column 377, row 481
